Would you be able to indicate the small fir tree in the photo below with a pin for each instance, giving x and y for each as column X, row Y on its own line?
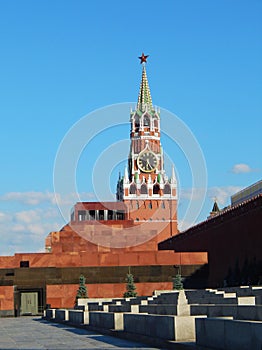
column 130, row 286
column 82, row 290
column 178, row 284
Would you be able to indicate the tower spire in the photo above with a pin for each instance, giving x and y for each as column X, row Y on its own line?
column 144, row 102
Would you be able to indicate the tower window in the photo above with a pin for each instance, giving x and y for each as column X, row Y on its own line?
column 146, row 121
column 163, row 205
column 150, row 205
column 132, row 189
column 167, row 189
column 137, row 124
column 143, row 189
column 156, row 189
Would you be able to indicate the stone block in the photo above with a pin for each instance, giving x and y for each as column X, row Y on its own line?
column 247, row 312
column 135, row 309
column 243, row 335
column 168, row 298
column 239, row 312
column 228, row 334
column 159, row 309
column 119, row 308
column 106, row 320
column 251, row 300
column 105, row 308
column 259, row 313
column 78, row 317
column 50, row 314
column 256, row 335
column 229, row 295
column 150, row 325
column 185, row 328
column 61, row 315
column 210, row 332
column 180, row 328
column 199, row 309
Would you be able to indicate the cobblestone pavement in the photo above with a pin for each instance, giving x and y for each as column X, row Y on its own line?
column 35, row 333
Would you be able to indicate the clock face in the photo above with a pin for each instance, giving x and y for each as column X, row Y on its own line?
column 147, row 161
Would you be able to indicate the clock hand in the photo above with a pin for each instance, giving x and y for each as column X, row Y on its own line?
column 149, row 166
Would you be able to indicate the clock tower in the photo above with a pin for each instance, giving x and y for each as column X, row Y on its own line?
column 145, row 188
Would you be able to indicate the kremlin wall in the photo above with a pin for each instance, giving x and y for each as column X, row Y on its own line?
column 104, row 240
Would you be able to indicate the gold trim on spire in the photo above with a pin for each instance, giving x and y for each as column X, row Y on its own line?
column 144, row 102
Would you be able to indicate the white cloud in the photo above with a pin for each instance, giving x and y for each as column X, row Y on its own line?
column 192, row 193
column 4, row 217
column 25, row 231
column 36, row 198
column 15, row 228
column 222, row 194
column 26, row 218
column 241, row 168
column 30, row 198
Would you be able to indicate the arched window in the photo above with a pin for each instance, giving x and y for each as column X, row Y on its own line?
column 146, row 121
column 155, row 123
column 150, row 205
column 132, row 189
column 143, row 189
column 167, row 189
column 156, row 189
column 137, row 124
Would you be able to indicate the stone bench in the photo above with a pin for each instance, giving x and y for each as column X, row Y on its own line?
column 78, row 317
column 165, row 298
column 211, row 299
column 239, row 312
column 62, row 315
column 122, row 308
column 50, row 314
column 106, row 320
column 226, row 334
column 159, row 309
column 165, row 327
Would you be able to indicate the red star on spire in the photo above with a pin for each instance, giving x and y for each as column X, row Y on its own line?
column 143, row 58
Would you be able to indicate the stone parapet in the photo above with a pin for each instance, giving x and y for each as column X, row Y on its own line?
column 226, row 334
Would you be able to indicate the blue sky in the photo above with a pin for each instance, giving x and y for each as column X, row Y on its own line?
column 61, row 60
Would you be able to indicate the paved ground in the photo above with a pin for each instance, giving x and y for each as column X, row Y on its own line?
column 35, row 333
